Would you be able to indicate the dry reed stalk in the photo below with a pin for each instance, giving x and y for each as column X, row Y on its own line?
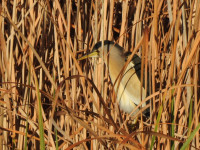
column 41, row 41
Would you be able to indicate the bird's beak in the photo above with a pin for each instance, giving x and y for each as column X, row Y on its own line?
column 91, row 54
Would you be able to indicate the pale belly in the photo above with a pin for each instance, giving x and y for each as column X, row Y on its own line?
column 129, row 91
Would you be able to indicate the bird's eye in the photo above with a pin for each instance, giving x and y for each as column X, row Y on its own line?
column 98, row 52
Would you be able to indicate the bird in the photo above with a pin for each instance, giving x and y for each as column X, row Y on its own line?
column 129, row 89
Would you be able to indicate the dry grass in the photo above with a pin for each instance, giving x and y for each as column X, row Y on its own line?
column 49, row 99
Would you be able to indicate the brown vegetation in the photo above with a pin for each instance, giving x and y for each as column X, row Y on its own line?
column 49, row 98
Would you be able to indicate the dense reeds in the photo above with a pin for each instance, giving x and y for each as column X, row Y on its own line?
column 50, row 100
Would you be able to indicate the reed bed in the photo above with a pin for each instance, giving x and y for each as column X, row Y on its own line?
column 50, row 100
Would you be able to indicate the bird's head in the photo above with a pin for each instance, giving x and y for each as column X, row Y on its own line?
column 109, row 47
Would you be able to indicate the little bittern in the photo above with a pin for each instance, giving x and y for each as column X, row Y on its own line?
column 129, row 89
